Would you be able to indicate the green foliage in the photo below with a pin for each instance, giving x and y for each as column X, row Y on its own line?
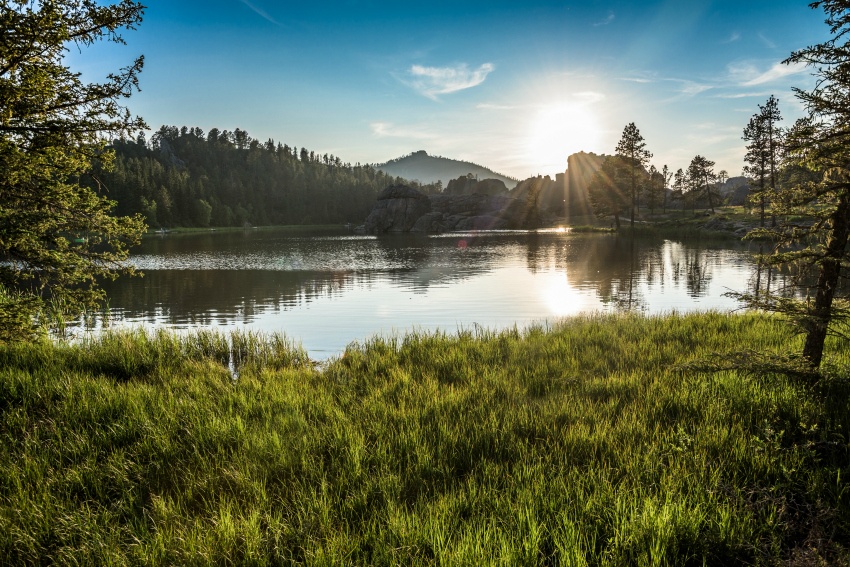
column 183, row 177
column 701, row 181
column 608, row 189
column 631, row 149
column 57, row 237
column 574, row 445
column 655, row 187
column 764, row 152
column 813, row 212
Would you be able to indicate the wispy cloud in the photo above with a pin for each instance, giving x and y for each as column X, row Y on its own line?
column 640, row 80
column 744, row 95
column 769, row 43
column 692, row 88
column 434, row 81
column 260, row 12
column 608, row 19
column 778, row 71
column 390, row 130
column 493, row 106
column 735, row 36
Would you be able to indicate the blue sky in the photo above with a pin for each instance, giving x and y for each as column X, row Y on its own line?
column 514, row 86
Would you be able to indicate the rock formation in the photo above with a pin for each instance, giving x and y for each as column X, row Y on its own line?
column 469, row 185
column 397, row 210
column 469, row 204
column 403, row 209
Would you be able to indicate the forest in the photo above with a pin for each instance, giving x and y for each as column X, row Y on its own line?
column 184, row 177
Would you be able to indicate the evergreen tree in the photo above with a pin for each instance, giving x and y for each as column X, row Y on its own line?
column 763, row 153
column 58, row 237
column 814, row 212
column 608, row 190
column 701, row 181
column 632, row 149
column 655, row 188
column 680, row 186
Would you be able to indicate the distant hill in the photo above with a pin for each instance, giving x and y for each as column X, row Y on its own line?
column 421, row 167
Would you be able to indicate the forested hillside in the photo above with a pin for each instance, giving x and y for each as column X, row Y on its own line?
column 432, row 169
column 184, row 177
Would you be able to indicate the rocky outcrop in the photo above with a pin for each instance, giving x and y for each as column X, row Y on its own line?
column 403, row 209
column 468, row 185
column 398, row 209
column 461, row 186
column 490, row 187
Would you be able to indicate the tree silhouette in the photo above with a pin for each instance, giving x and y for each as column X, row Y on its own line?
column 632, row 150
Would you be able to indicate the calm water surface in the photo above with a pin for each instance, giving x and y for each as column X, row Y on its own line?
column 325, row 291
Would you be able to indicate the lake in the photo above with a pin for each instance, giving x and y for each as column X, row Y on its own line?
column 325, row 290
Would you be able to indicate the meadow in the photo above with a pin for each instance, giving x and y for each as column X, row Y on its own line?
column 593, row 441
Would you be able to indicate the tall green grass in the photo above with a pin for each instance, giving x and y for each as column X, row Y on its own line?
column 580, row 444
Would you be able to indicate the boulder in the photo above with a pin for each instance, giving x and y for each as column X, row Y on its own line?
column 397, row 210
column 490, row 187
column 463, row 185
column 468, row 185
column 431, row 223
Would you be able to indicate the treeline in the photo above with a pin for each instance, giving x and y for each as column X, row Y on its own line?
column 184, row 177
column 625, row 182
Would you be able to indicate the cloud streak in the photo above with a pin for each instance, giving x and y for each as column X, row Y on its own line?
column 608, row 19
column 735, row 36
column 260, row 12
column 769, row 43
column 390, row 130
column 778, row 71
column 435, row 81
column 688, row 88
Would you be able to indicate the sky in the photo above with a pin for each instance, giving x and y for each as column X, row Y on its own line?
column 513, row 86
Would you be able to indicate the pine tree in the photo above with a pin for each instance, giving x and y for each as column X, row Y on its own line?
column 763, row 153
column 811, row 237
column 57, row 236
column 701, row 180
column 608, row 189
column 632, row 149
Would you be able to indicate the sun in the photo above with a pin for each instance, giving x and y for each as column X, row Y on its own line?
column 558, row 130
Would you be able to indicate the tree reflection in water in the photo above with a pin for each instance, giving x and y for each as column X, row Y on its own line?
column 351, row 286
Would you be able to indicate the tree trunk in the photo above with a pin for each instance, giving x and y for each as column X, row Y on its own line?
column 830, row 272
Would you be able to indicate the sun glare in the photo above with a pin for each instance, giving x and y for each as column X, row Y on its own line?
column 558, row 130
column 561, row 297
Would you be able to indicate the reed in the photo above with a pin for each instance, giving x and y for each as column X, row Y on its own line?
column 581, row 443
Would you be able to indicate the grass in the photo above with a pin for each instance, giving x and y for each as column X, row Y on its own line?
column 677, row 223
column 579, row 444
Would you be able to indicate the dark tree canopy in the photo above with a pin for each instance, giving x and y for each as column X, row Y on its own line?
column 58, row 236
column 183, row 177
column 764, row 152
column 701, row 181
column 813, row 211
column 608, row 190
